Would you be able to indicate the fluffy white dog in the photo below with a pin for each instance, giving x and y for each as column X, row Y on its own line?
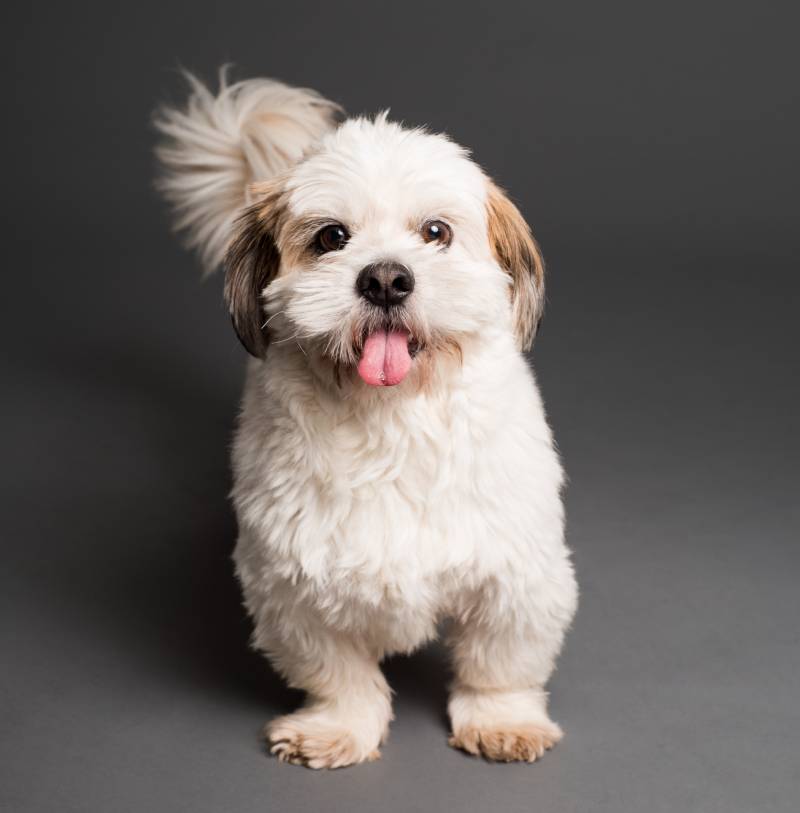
column 393, row 467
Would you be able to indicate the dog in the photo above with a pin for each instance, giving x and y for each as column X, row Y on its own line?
column 394, row 472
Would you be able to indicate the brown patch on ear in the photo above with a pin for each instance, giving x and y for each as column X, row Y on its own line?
column 518, row 254
column 251, row 263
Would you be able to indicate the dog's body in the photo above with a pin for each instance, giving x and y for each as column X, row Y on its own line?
column 367, row 513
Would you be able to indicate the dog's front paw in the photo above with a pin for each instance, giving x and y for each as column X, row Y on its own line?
column 312, row 740
column 508, row 743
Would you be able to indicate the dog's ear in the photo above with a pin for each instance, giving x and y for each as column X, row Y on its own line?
column 251, row 263
column 518, row 254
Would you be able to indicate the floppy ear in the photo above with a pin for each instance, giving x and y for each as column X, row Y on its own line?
column 518, row 254
column 251, row 263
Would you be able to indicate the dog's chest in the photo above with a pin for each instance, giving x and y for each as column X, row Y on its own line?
column 389, row 506
column 393, row 509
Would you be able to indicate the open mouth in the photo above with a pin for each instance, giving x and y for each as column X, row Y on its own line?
column 386, row 357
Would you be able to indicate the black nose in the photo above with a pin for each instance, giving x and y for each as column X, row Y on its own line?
column 385, row 284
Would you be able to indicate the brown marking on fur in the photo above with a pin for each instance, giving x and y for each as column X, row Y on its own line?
column 358, row 335
column 432, row 358
column 517, row 252
column 512, row 743
column 252, row 262
column 453, row 347
column 298, row 238
column 321, row 748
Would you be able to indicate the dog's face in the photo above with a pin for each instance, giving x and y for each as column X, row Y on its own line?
column 381, row 253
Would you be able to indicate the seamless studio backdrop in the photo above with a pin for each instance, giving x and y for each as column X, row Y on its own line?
column 653, row 148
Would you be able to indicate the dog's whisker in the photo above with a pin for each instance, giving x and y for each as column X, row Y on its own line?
column 271, row 318
column 289, row 339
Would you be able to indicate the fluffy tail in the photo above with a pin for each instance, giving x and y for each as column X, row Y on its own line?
column 218, row 145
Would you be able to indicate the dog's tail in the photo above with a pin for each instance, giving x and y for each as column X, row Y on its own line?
column 215, row 147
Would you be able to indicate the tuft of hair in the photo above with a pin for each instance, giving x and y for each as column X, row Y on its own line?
column 219, row 144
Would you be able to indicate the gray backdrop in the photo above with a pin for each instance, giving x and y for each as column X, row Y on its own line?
column 654, row 149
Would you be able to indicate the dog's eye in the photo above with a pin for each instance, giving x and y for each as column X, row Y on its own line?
column 331, row 238
column 436, row 231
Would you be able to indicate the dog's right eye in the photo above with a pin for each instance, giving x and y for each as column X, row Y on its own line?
column 331, row 238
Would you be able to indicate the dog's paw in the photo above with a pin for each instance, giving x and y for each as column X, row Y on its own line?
column 303, row 740
column 508, row 743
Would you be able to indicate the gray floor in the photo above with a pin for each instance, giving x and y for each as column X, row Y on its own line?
column 654, row 153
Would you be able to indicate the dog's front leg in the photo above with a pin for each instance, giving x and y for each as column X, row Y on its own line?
column 504, row 650
column 348, row 708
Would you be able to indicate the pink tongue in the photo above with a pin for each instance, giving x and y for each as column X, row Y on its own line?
column 385, row 360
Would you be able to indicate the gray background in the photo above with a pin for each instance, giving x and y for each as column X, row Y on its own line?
column 654, row 149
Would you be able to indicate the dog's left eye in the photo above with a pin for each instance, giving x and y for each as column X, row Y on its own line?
column 436, row 231
column 331, row 238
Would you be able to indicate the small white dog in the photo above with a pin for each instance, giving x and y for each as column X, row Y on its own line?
column 393, row 467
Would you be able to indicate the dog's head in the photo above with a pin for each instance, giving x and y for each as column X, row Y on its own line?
column 382, row 252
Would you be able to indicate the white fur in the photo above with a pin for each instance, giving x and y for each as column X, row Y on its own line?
column 367, row 516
